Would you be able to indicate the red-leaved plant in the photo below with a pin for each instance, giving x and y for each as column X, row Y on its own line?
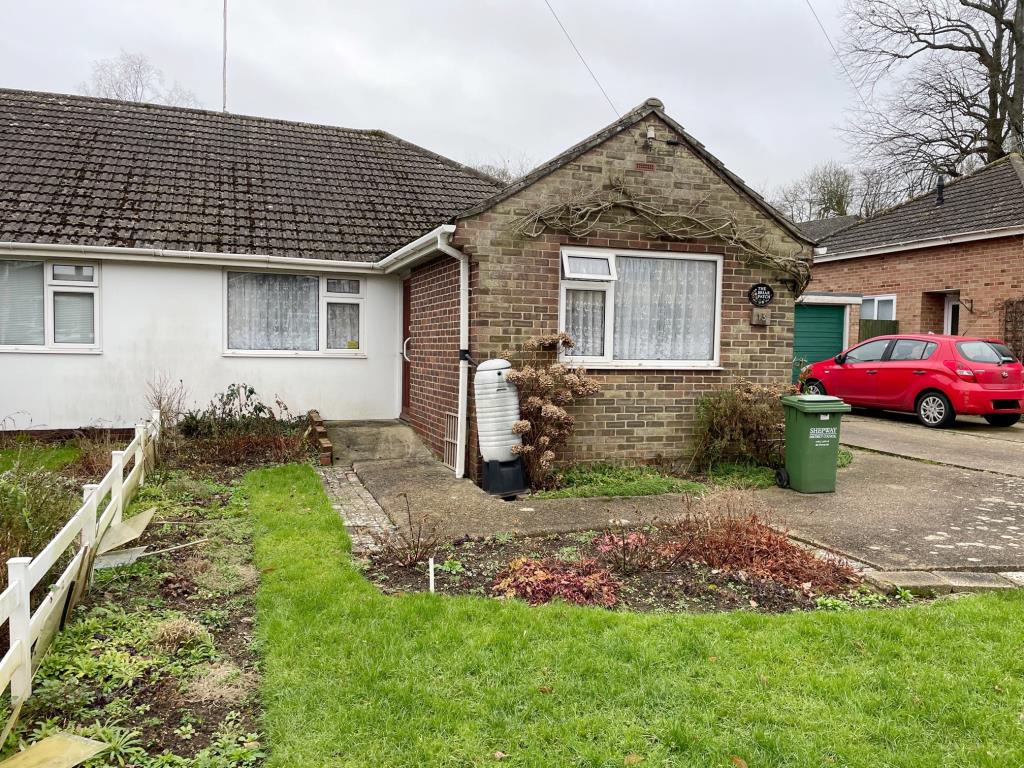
column 541, row 581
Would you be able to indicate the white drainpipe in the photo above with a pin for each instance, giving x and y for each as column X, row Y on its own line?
column 445, row 246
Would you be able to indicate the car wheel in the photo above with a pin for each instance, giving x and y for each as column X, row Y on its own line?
column 814, row 387
column 935, row 410
column 1003, row 419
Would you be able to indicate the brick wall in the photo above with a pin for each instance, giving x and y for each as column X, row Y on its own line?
column 985, row 272
column 433, row 349
column 639, row 415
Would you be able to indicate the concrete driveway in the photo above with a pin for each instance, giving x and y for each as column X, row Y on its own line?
column 919, row 499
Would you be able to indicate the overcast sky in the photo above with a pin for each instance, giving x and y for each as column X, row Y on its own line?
column 753, row 80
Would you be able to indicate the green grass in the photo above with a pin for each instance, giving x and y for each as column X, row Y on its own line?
column 38, row 456
column 747, row 476
column 609, row 480
column 353, row 678
column 844, row 458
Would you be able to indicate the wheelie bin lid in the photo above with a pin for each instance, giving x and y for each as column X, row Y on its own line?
column 815, row 403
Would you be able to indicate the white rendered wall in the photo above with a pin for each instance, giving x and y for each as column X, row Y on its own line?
column 170, row 318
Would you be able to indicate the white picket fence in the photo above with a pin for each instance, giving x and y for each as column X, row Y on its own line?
column 31, row 632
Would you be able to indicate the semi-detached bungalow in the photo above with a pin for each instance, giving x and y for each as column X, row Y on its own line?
column 356, row 273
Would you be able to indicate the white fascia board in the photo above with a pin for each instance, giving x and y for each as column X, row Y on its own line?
column 418, row 249
column 821, row 255
column 830, row 298
column 201, row 258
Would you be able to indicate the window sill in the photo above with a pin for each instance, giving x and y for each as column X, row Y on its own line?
column 286, row 354
column 636, row 365
column 51, row 350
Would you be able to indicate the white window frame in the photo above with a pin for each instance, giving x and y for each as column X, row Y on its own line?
column 52, row 286
column 874, row 304
column 589, row 253
column 325, row 298
column 602, row 283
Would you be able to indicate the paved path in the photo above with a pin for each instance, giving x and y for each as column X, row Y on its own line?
column 895, row 513
column 971, row 444
column 395, row 466
column 364, row 519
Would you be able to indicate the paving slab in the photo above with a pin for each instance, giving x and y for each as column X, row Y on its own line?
column 969, row 444
column 898, row 514
column 915, row 582
column 976, row 582
column 1017, row 577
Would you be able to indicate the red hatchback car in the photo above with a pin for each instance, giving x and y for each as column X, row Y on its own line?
column 936, row 377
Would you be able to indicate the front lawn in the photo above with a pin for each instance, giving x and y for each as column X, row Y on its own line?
column 354, row 678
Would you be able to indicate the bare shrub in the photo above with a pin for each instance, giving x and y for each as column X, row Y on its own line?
column 729, row 530
column 168, row 396
column 541, row 581
column 743, row 423
column 410, row 544
column 94, row 451
column 546, row 388
column 626, row 547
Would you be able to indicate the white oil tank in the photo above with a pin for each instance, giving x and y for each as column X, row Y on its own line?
column 497, row 410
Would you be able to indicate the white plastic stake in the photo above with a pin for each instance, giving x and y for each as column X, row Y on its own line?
column 19, row 628
column 89, row 523
column 431, row 574
column 117, row 486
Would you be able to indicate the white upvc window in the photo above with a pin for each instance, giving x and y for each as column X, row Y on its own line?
column 49, row 306
column 285, row 314
column 641, row 309
column 878, row 307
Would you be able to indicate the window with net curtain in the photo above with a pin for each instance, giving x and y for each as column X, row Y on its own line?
column 657, row 309
column 271, row 312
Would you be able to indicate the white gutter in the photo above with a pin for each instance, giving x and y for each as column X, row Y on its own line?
column 164, row 256
column 821, row 254
column 415, row 250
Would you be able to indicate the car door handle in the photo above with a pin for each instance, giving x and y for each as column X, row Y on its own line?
column 920, row 373
column 872, row 373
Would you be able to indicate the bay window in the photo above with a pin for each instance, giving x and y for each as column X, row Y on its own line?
column 289, row 314
column 639, row 309
column 47, row 306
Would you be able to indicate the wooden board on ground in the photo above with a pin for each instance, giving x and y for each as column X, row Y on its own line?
column 120, row 534
column 59, row 751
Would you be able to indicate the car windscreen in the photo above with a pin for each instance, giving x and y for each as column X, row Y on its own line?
column 985, row 352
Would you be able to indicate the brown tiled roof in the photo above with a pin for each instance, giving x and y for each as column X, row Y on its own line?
column 991, row 198
column 631, row 118
column 818, row 229
column 99, row 172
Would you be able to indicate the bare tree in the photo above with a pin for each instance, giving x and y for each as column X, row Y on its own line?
column 132, row 77
column 944, row 80
column 506, row 168
column 832, row 189
column 826, row 190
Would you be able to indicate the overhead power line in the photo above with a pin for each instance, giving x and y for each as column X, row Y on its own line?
column 838, row 57
column 578, row 53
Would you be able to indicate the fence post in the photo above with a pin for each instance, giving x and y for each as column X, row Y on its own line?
column 158, row 432
column 19, row 628
column 88, row 536
column 117, row 487
column 140, row 452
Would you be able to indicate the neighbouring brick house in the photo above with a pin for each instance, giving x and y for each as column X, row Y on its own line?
column 352, row 272
column 949, row 261
column 522, row 284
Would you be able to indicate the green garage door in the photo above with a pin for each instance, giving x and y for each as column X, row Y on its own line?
column 818, row 334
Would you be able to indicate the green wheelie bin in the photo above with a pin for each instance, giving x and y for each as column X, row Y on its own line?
column 812, row 442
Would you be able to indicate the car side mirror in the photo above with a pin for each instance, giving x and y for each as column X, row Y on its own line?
column 840, row 358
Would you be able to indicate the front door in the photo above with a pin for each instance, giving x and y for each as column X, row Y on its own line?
column 952, row 314
column 406, row 326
